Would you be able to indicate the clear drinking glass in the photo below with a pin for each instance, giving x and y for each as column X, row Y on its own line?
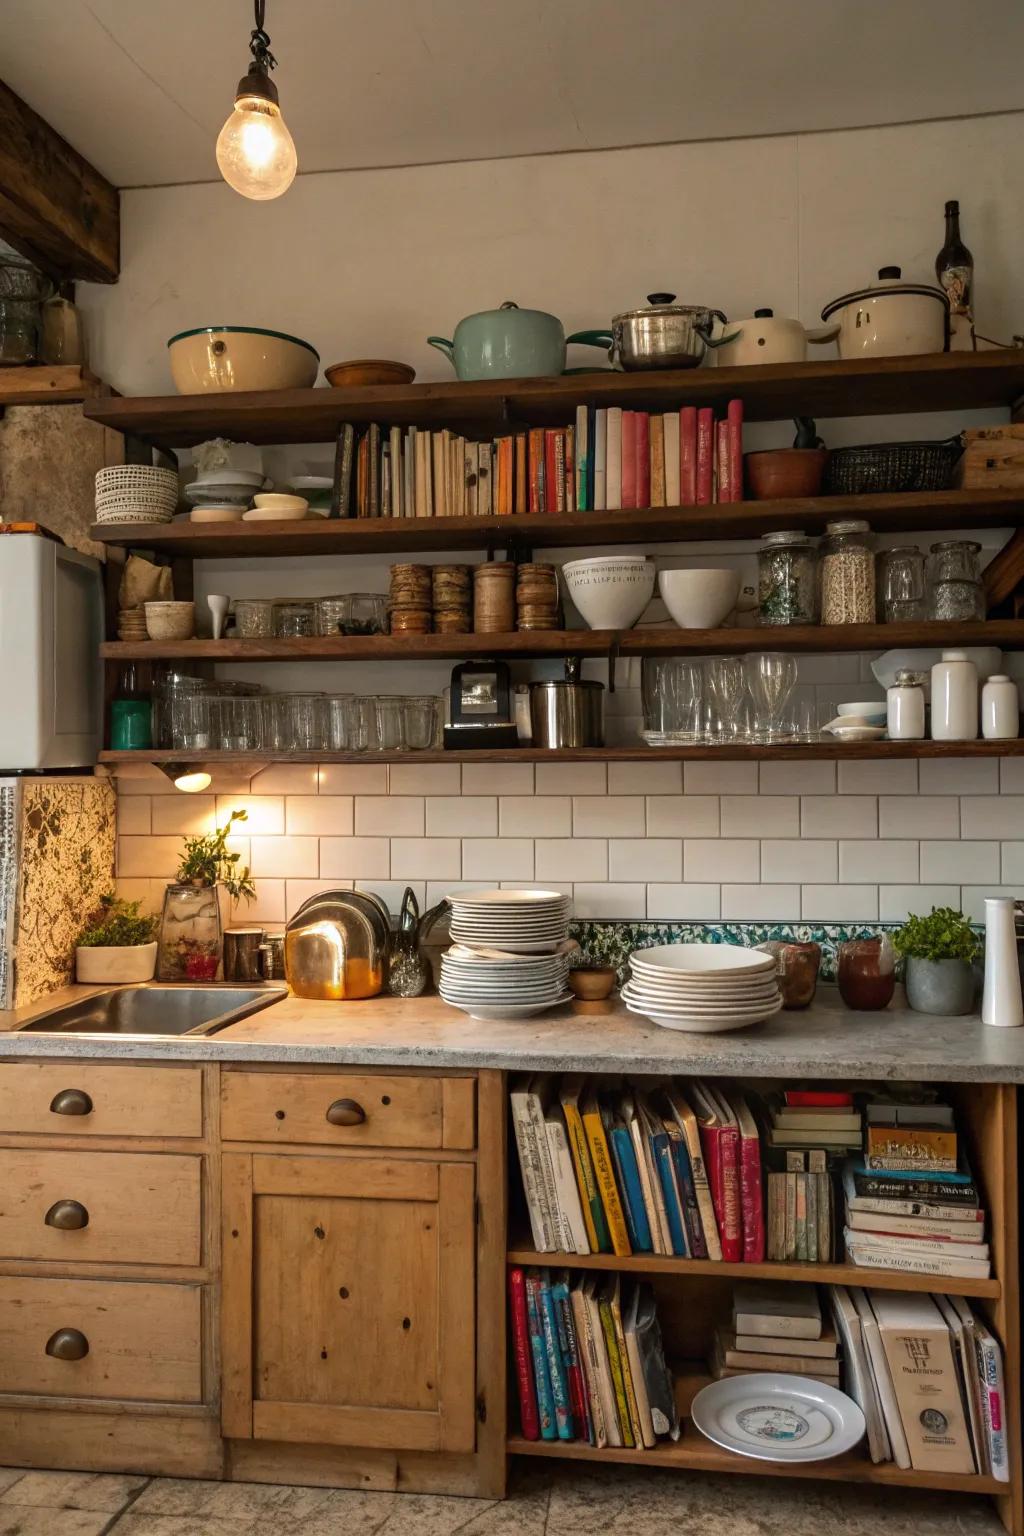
column 190, row 721
column 420, row 721
column 236, row 721
column 902, row 580
column 771, row 678
column 726, row 686
column 336, row 722
column 295, row 722
column 391, row 725
column 673, row 700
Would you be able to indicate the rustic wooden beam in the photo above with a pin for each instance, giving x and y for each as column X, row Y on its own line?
column 54, row 206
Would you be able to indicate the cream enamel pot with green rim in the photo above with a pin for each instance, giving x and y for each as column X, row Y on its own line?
column 767, row 338
column 509, row 343
column 240, row 357
column 891, row 318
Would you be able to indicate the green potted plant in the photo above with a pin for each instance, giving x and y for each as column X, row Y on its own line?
column 190, row 928
column 117, row 944
column 940, row 951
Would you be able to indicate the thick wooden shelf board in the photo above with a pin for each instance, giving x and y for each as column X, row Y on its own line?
column 937, row 381
column 45, row 385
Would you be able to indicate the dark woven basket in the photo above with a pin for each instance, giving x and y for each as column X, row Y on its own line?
column 888, row 467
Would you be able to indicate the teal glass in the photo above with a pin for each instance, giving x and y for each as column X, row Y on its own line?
column 131, row 725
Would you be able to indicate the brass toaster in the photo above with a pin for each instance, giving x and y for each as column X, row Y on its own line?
column 336, row 946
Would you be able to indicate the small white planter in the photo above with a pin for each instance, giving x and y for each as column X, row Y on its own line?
column 116, row 963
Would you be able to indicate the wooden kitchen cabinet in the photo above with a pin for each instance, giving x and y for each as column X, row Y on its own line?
column 348, row 1310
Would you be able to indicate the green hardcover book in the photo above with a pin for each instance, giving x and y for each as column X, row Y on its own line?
column 618, row 1380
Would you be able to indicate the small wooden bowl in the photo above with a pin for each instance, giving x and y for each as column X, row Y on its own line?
column 361, row 371
column 592, row 982
column 781, row 473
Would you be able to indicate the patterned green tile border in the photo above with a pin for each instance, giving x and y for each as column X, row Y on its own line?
column 612, row 942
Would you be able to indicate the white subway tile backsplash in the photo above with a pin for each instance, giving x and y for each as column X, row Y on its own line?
column 651, row 858
column 1012, row 863
column 184, row 814
column 946, row 862
column 918, row 816
column 839, row 816
column 498, row 779
column 896, row 902
column 388, row 816
column 608, row 816
column 286, row 779
column 682, row 816
column 133, row 817
column 684, row 901
column 801, row 859
column 709, row 860
column 571, row 779
column 754, row 902
column 437, row 890
column 760, row 816
column 298, row 891
column 611, row 901
column 462, row 816
column 497, row 858
column 425, row 779
column 290, row 858
column 711, row 777
column 393, row 892
column 972, row 898
column 149, row 857
column 992, row 816
column 573, row 859
column 863, row 863
column 535, row 816
column 425, row 858
column 264, row 814
column 781, row 778
column 958, row 776
column 355, row 858
column 864, row 777
column 839, row 903
column 1011, row 775
column 354, row 779
column 319, row 815
column 269, row 906
column 645, row 778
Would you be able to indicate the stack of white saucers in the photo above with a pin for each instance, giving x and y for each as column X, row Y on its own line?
column 702, row 988
column 520, row 922
column 490, row 984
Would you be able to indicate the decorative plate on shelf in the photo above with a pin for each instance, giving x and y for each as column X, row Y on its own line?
column 775, row 1417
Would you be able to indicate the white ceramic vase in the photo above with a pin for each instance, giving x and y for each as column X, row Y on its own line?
column 1001, row 1004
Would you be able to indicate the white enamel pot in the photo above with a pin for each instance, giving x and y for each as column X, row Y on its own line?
column 891, row 318
column 767, row 338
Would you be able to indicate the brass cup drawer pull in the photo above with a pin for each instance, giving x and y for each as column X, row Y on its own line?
column 71, row 1101
column 67, row 1344
column 68, row 1215
column 346, row 1112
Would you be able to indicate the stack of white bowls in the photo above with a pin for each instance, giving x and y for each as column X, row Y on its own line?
column 135, row 493
column 520, row 922
column 492, row 985
column 702, row 988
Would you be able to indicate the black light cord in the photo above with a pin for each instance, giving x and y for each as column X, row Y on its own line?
column 259, row 42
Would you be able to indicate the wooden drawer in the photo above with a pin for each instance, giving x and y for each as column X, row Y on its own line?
column 380, row 1111
column 143, row 1342
column 138, row 1207
column 91, row 1098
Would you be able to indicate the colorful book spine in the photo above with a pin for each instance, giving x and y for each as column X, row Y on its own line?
column 597, row 500
column 688, row 1195
column 618, row 1383
column 670, row 1193
column 629, row 458
column 723, row 461
column 735, row 419
column 529, row 1417
column 521, row 488
column 670, row 434
column 555, row 1362
column 571, row 1359
column 657, row 461
column 591, row 457
column 583, row 451
column 590, row 1196
column 643, row 459
column 541, row 1375
column 613, row 463
column 569, row 469
column 604, row 1172
column 687, row 455
column 552, row 481
column 705, row 456
column 536, row 470
column 633, row 1196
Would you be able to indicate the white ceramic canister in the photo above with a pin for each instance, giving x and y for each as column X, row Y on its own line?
column 904, row 707
column 1000, row 709
column 954, row 698
column 1001, row 1002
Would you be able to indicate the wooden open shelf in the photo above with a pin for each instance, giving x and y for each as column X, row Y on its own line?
column 1008, row 634
column 935, row 382
column 44, row 384
column 908, row 513
column 815, row 1274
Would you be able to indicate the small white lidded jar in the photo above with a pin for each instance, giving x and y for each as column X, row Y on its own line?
column 954, row 698
column 1000, row 709
column 904, row 707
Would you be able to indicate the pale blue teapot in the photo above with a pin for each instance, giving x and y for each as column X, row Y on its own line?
column 510, row 343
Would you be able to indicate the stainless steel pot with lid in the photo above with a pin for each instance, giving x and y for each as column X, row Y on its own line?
column 336, row 946
column 567, row 712
column 661, row 334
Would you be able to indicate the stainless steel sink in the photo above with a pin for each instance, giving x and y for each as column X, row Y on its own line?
column 155, row 1011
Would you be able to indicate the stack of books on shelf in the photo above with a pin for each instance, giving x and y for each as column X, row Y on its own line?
column 608, row 458
column 806, row 1130
column 928, row 1376
column 673, row 1170
column 589, row 1362
column 912, row 1203
column 776, row 1327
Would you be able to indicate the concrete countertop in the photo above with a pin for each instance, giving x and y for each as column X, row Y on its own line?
column 827, row 1040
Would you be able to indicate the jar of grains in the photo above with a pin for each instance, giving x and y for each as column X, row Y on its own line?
column 786, row 579
column 847, row 573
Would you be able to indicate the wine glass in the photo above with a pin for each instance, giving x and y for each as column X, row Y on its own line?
column 771, row 677
column 726, row 686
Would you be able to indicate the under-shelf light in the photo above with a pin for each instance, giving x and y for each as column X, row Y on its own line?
column 190, row 778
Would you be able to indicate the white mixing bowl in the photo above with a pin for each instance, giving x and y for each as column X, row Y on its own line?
column 699, row 599
column 611, row 592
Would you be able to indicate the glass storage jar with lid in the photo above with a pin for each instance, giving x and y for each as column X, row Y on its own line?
column 847, row 573
column 955, row 589
column 254, row 617
column 293, row 619
column 901, row 578
column 786, row 579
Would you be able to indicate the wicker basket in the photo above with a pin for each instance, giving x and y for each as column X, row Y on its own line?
column 136, row 478
column 887, row 467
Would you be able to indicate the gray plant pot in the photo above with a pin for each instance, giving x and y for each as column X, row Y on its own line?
column 940, row 986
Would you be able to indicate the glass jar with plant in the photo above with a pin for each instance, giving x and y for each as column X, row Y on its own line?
column 191, row 936
column 940, row 952
column 117, row 944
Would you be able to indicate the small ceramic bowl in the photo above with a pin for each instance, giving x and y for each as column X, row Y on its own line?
column 170, row 621
column 227, row 514
column 362, row 371
column 592, row 982
column 278, row 501
column 871, row 711
column 782, row 473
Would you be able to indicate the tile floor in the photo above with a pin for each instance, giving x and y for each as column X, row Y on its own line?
column 543, row 1501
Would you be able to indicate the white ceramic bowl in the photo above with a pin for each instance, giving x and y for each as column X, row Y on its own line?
column 699, row 599
column 866, row 710
column 170, row 621
column 610, row 592
column 699, row 959
column 239, row 357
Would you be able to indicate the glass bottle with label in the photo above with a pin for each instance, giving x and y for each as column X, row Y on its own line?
column 954, row 268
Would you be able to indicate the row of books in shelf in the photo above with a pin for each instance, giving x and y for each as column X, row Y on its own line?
column 712, row 1170
column 609, row 458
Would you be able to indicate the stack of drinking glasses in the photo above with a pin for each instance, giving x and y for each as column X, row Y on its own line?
column 724, row 701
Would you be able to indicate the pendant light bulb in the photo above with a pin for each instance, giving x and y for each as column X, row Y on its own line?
column 255, row 152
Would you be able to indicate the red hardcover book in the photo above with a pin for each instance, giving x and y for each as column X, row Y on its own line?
column 529, row 1417
column 536, row 469
column 751, row 1196
column 705, row 454
column 643, row 459
column 723, row 467
column 687, row 455
column 735, row 419
column 629, row 458
column 719, row 1139
column 550, row 471
column 569, row 492
column 816, row 1098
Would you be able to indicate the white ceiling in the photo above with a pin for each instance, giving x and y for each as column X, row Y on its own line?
column 141, row 87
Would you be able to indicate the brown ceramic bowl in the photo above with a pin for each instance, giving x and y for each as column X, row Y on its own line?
column 592, row 982
column 781, row 473
column 361, row 371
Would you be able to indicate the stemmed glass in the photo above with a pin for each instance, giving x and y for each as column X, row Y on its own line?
column 771, row 678
column 726, row 686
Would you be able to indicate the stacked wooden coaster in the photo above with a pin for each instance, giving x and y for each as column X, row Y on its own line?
column 537, row 597
column 452, row 599
column 494, row 597
column 410, row 602
column 131, row 624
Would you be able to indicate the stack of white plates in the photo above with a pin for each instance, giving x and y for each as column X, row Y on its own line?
column 702, row 988
column 224, row 488
column 490, row 985
column 519, row 922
